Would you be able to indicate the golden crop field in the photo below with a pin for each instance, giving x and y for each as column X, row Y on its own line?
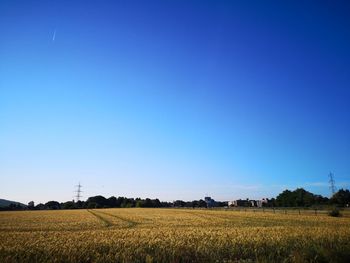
column 171, row 235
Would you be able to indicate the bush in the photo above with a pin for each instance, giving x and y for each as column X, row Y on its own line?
column 335, row 213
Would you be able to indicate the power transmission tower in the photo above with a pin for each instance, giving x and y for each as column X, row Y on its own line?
column 78, row 191
column 332, row 183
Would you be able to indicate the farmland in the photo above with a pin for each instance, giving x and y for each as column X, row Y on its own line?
column 171, row 235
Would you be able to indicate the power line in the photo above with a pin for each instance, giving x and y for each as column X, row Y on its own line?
column 332, row 183
column 78, row 191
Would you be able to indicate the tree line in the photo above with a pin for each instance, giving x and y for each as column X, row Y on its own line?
column 297, row 198
column 120, row 202
column 302, row 198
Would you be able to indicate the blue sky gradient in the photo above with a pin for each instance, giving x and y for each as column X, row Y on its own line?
column 173, row 99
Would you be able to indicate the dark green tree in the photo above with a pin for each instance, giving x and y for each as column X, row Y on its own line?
column 99, row 200
column 53, row 205
column 68, row 205
column 341, row 198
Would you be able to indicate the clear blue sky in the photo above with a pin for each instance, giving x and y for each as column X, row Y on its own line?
column 173, row 99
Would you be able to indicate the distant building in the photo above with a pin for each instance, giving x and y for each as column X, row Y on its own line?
column 239, row 202
column 209, row 201
column 248, row 203
column 262, row 202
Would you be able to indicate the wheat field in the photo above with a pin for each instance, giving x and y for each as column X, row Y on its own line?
column 171, row 235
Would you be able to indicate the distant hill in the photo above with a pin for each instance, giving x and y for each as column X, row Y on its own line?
column 4, row 203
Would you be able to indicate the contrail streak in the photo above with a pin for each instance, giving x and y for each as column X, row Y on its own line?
column 54, row 36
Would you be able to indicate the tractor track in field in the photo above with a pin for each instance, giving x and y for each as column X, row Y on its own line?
column 102, row 219
column 130, row 223
column 108, row 223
